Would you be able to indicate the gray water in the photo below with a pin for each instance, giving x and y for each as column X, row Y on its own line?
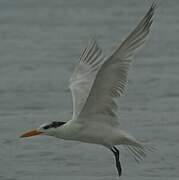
column 40, row 42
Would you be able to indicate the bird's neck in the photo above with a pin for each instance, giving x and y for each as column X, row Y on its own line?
column 67, row 131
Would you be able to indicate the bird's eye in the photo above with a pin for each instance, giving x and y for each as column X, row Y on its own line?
column 46, row 127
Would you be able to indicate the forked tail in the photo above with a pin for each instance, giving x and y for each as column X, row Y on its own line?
column 139, row 151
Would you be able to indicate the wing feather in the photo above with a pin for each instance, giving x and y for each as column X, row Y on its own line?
column 84, row 75
column 111, row 79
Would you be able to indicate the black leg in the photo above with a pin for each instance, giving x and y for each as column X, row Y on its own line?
column 118, row 164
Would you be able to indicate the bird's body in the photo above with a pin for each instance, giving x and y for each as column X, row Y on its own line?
column 94, row 132
column 95, row 84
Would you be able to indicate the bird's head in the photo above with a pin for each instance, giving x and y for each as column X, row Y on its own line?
column 45, row 129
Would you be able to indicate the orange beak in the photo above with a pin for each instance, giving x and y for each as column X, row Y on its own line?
column 31, row 133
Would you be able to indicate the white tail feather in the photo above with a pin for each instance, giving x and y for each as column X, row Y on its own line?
column 139, row 152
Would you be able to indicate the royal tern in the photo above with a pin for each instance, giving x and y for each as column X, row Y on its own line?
column 95, row 85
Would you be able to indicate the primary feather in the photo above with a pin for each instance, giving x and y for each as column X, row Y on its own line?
column 84, row 75
column 111, row 78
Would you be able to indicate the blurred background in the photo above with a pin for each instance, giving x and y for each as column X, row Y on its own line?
column 40, row 42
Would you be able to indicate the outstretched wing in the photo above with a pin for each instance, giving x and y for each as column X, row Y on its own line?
column 84, row 74
column 112, row 76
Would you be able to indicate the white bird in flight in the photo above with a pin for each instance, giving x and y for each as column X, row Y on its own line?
column 95, row 85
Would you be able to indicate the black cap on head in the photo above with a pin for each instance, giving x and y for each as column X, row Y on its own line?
column 54, row 124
